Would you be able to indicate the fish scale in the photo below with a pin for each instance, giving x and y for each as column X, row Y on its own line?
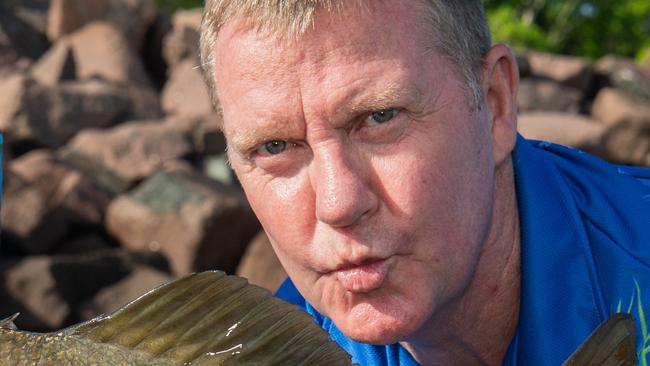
column 188, row 321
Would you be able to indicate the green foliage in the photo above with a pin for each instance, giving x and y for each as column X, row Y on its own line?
column 586, row 28
column 169, row 6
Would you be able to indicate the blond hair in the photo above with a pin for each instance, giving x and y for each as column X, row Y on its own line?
column 459, row 30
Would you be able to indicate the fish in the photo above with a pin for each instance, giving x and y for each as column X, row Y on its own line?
column 611, row 344
column 211, row 318
column 207, row 318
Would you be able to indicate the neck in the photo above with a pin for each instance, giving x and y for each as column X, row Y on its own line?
column 477, row 327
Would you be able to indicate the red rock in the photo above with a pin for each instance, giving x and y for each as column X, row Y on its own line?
column 538, row 94
column 55, row 65
column 573, row 71
column 624, row 74
column 612, row 106
column 182, row 42
column 49, row 116
column 43, row 197
column 567, row 129
column 197, row 223
column 131, row 17
column 260, row 265
column 126, row 153
column 628, row 142
column 185, row 92
column 111, row 59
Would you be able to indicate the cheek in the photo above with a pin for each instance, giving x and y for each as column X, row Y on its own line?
column 284, row 207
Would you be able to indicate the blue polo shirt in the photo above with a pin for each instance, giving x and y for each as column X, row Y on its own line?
column 585, row 251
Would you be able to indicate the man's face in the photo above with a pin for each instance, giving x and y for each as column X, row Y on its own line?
column 364, row 162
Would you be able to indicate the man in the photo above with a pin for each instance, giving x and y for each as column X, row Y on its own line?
column 375, row 141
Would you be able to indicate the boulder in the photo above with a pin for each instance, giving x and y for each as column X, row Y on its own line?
column 538, row 94
column 100, row 50
column 43, row 197
column 624, row 74
column 131, row 17
column 204, row 131
column 197, row 223
column 52, row 289
column 573, row 130
column 118, row 157
column 24, row 39
column 628, row 142
column 185, row 93
column 8, row 54
column 56, row 65
column 612, row 106
column 141, row 280
column 260, row 265
column 572, row 71
column 182, row 42
column 84, row 243
column 50, row 115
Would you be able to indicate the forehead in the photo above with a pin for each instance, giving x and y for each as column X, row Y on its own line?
column 347, row 49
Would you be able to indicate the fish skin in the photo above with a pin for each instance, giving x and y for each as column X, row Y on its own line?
column 613, row 343
column 203, row 319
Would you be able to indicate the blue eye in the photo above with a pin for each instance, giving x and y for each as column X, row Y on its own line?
column 274, row 147
column 383, row 115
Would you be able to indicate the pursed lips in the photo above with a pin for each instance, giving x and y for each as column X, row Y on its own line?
column 364, row 275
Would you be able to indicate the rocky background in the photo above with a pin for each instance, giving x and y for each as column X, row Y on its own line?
column 115, row 178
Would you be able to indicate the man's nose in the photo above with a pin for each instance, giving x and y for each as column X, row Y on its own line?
column 341, row 182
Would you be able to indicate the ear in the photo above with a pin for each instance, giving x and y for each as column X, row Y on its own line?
column 500, row 83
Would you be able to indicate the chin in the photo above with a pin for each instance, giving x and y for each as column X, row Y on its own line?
column 369, row 324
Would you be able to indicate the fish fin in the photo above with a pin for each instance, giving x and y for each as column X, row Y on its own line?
column 612, row 343
column 210, row 318
column 8, row 323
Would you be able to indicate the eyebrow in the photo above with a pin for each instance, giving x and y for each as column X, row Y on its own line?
column 389, row 96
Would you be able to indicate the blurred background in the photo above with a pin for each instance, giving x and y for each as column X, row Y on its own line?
column 115, row 178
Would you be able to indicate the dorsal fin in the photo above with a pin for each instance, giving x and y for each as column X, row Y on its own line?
column 211, row 318
column 8, row 322
column 612, row 343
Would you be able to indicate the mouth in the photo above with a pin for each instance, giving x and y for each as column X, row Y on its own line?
column 367, row 276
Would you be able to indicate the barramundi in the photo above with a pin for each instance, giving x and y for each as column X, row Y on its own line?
column 214, row 319
column 203, row 319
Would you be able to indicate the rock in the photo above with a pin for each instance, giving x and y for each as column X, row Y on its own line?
column 52, row 289
column 523, row 65
column 185, row 93
column 141, row 280
column 622, row 73
column 204, row 131
column 628, row 142
column 538, row 94
column 111, row 59
column 90, row 242
column 197, row 223
column 43, row 197
column 56, row 65
column 8, row 54
column 30, row 289
column 130, row 17
column 182, row 42
column 218, row 168
column 612, row 106
column 120, row 156
column 572, row 71
column 145, row 103
column 49, row 116
column 25, row 40
column 573, row 130
column 260, row 265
